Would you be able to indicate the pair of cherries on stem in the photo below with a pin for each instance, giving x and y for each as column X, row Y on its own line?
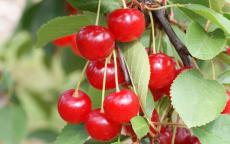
column 119, row 107
column 97, row 42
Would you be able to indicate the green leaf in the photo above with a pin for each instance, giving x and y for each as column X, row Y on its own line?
column 216, row 5
column 216, row 132
column 91, row 5
column 150, row 105
column 12, row 124
column 203, row 45
column 225, row 58
column 198, row 101
column 62, row 26
column 137, row 62
column 72, row 134
column 140, row 126
column 224, row 78
column 211, row 15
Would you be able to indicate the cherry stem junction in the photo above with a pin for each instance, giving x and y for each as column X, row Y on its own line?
column 80, row 80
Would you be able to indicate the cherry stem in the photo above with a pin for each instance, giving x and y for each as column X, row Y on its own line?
column 172, row 124
column 103, row 87
column 160, row 41
column 115, row 66
column 98, row 12
column 213, row 70
column 80, row 80
column 208, row 24
column 153, row 45
column 174, row 135
column 124, row 3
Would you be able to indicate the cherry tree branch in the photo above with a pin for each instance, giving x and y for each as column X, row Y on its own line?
column 181, row 49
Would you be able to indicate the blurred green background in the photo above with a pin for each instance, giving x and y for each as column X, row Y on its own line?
column 32, row 78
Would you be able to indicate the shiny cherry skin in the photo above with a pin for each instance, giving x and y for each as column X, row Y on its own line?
column 126, row 24
column 74, row 46
column 100, row 128
column 162, row 68
column 95, row 74
column 227, row 107
column 95, row 42
column 63, row 41
column 74, row 109
column 121, row 106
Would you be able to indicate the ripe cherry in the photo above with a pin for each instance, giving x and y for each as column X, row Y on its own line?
column 74, row 109
column 74, row 46
column 181, row 135
column 95, row 74
column 227, row 107
column 121, row 106
column 95, row 42
column 165, row 136
column 100, row 128
column 191, row 140
column 157, row 93
column 70, row 9
column 63, row 41
column 154, row 118
column 228, row 50
column 126, row 24
column 162, row 69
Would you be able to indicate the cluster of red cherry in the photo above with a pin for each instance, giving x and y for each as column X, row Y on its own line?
column 96, row 43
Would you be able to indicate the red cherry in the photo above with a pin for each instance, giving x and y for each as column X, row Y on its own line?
column 121, row 106
column 74, row 46
column 126, row 24
column 162, row 69
column 227, row 107
column 154, row 118
column 192, row 140
column 228, row 50
column 181, row 135
column 71, row 10
column 100, row 128
column 95, row 74
column 72, row 109
column 165, row 136
column 157, row 93
column 63, row 41
column 95, row 42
